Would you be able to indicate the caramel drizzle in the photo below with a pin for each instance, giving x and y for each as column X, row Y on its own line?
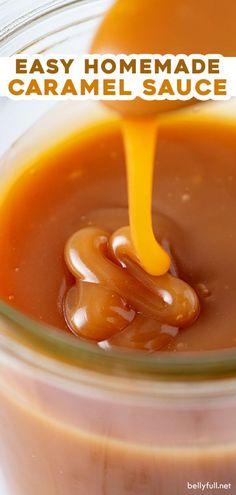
column 112, row 291
column 140, row 136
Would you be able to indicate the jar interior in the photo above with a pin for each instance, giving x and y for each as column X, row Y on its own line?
column 68, row 27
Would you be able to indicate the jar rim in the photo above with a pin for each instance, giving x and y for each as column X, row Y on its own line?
column 60, row 346
column 16, row 17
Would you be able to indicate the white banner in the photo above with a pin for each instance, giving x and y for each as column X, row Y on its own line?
column 121, row 77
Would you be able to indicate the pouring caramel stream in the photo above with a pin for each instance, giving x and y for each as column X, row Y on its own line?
column 143, row 285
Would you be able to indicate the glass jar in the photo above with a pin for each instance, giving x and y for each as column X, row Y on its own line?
column 74, row 420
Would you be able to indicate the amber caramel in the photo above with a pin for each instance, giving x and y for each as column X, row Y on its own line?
column 82, row 183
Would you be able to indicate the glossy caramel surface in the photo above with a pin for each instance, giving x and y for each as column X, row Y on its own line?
column 77, row 184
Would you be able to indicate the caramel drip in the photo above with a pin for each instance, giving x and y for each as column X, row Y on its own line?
column 112, row 292
column 140, row 144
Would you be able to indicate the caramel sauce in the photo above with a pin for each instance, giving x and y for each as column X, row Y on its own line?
column 173, row 27
column 122, row 278
column 112, row 289
column 118, row 35
column 81, row 184
column 166, row 300
column 66, row 251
